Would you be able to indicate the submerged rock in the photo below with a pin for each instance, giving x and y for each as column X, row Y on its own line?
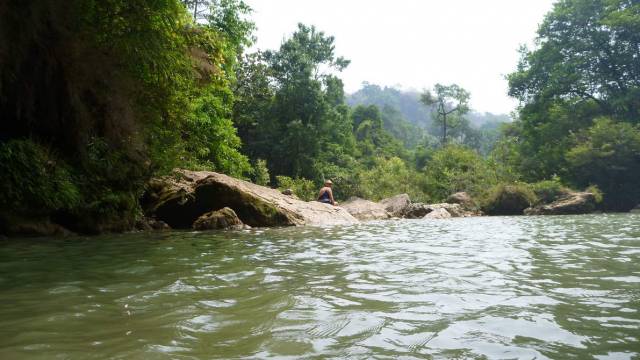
column 224, row 218
column 365, row 210
column 439, row 213
column 396, row 205
column 180, row 199
column 573, row 203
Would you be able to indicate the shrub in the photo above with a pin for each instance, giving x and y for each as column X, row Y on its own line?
column 303, row 188
column 508, row 199
column 261, row 173
column 455, row 168
column 32, row 179
column 548, row 191
column 597, row 193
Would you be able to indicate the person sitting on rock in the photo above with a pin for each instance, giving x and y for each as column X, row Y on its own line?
column 326, row 194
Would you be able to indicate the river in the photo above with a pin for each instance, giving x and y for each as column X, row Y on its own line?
column 489, row 287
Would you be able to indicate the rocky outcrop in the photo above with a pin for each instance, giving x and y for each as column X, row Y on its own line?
column 223, row 219
column 13, row 225
column 416, row 211
column 439, row 213
column 463, row 199
column 150, row 224
column 396, row 205
column 180, row 199
column 574, row 203
column 365, row 210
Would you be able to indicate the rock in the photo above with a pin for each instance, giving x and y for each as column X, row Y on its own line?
column 365, row 210
column 574, row 203
column 463, row 199
column 417, row 211
column 180, row 199
column 456, row 210
column 13, row 225
column 150, row 224
column 287, row 192
column 509, row 200
column 224, row 218
column 396, row 205
column 439, row 213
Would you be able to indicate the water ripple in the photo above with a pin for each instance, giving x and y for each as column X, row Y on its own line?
column 501, row 287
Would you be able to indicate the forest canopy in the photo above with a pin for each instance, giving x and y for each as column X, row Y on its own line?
column 97, row 97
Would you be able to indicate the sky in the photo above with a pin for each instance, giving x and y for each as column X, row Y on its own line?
column 414, row 44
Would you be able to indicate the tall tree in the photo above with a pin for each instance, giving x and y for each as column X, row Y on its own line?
column 447, row 101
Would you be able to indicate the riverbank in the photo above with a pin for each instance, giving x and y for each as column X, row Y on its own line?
column 205, row 200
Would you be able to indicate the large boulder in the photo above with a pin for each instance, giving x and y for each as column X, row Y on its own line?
column 13, row 225
column 574, row 203
column 463, row 199
column 396, row 205
column 181, row 198
column 457, row 210
column 509, row 200
column 439, row 213
column 365, row 210
column 224, row 218
column 417, row 211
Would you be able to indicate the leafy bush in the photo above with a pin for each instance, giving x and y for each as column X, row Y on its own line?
column 508, row 199
column 456, row 168
column 33, row 179
column 390, row 177
column 303, row 188
column 261, row 173
column 597, row 193
column 548, row 191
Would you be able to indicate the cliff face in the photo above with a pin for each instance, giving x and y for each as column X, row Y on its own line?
column 179, row 200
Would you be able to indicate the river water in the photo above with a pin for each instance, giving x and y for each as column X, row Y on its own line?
column 490, row 287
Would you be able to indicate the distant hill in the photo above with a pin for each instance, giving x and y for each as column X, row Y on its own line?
column 408, row 105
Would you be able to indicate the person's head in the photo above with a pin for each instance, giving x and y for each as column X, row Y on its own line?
column 328, row 183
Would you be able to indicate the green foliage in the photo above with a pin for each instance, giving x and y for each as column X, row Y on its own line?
column 33, row 179
column 579, row 88
column 303, row 188
column 449, row 104
column 389, row 177
column 508, row 199
column 261, row 173
column 548, row 191
column 455, row 168
column 608, row 155
column 597, row 193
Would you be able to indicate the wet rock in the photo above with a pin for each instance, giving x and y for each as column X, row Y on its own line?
column 396, row 205
column 150, row 224
column 12, row 225
column 574, row 203
column 417, row 211
column 438, row 213
column 224, row 218
column 181, row 198
column 365, row 210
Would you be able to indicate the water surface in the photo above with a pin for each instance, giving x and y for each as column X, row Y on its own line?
column 492, row 287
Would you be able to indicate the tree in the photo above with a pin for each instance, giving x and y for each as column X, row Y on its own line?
column 585, row 66
column 446, row 101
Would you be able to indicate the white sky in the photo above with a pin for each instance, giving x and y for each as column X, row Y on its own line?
column 413, row 44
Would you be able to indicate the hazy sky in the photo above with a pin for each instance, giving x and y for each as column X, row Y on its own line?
column 415, row 43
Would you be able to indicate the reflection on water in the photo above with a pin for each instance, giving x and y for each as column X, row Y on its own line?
column 501, row 287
